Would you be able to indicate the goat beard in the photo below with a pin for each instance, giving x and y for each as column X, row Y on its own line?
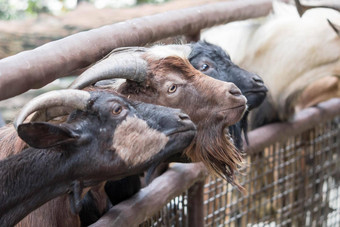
column 214, row 147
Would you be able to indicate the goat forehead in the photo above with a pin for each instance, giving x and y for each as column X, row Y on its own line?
column 170, row 67
column 135, row 142
column 160, row 52
column 105, row 101
column 173, row 78
column 209, row 50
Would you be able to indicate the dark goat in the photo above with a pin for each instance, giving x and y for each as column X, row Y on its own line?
column 213, row 61
column 107, row 137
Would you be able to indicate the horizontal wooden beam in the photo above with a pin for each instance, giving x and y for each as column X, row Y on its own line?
column 40, row 66
column 152, row 198
column 302, row 121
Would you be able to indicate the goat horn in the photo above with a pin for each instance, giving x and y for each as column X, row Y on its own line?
column 335, row 27
column 123, row 63
column 77, row 99
column 302, row 8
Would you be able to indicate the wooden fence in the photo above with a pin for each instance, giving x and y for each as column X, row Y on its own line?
column 292, row 177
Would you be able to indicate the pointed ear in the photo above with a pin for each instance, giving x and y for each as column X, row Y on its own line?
column 45, row 135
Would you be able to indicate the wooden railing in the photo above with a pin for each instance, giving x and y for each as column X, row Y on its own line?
column 37, row 67
column 190, row 177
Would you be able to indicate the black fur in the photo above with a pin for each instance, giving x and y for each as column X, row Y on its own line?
column 213, row 61
column 79, row 152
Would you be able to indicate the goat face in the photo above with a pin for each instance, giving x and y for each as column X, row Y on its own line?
column 173, row 82
column 163, row 75
column 114, row 137
column 213, row 61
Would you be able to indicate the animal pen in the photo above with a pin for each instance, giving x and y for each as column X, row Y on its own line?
column 292, row 175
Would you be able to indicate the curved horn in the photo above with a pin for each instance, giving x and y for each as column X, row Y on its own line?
column 335, row 27
column 125, row 63
column 73, row 98
column 302, row 8
column 51, row 113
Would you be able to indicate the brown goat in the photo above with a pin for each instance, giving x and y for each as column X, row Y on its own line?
column 210, row 110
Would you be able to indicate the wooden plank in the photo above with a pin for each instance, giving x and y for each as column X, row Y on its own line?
column 152, row 198
column 303, row 120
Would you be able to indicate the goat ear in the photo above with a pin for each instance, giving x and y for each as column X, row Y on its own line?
column 45, row 135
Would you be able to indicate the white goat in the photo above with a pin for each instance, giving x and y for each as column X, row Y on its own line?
column 298, row 58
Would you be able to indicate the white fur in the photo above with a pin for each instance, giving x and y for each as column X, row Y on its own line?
column 287, row 51
column 160, row 51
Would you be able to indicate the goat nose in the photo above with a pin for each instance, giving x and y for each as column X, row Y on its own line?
column 235, row 91
column 257, row 79
column 183, row 116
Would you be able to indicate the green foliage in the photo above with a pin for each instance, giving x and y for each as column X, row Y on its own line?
column 150, row 1
column 35, row 7
column 14, row 9
column 5, row 10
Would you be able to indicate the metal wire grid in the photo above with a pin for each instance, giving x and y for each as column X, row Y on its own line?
column 295, row 183
column 174, row 214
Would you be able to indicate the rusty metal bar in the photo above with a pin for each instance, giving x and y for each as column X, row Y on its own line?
column 36, row 68
column 196, row 205
column 306, row 119
column 143, row 205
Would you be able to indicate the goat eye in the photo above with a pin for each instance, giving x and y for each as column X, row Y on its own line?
column 117, row 109
column 204, row 67
column 172, row 88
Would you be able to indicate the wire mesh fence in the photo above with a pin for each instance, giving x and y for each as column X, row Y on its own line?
column 173, row 214
column 291, row 183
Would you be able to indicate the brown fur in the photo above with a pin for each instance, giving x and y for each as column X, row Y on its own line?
column 318, row 91
column 10, row 143
column 44, row 216
column 212, row 146
column 216, row 151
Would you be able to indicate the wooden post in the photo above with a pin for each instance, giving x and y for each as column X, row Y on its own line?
column 195, row 205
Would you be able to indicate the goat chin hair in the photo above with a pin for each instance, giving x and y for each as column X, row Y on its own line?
column 218, row 153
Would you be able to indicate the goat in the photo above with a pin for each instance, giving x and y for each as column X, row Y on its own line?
column 163, row 75
column 166, row 77
column 107, row 137
column 298, row 58
column 171, row 80
column 213, row 61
